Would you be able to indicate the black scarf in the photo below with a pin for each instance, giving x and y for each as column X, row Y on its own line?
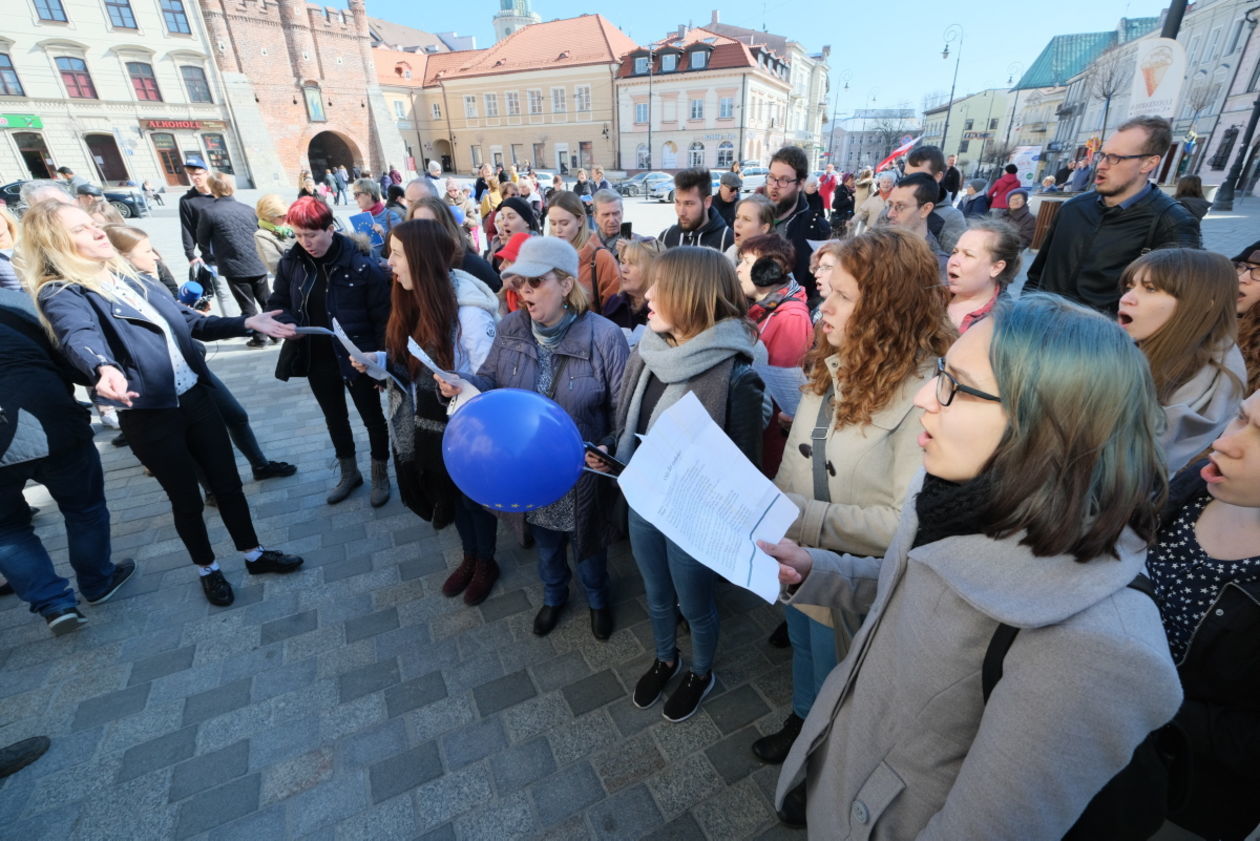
column 948, row 509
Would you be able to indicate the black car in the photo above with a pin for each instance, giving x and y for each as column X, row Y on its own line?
column 129, row 203
column 637, row 185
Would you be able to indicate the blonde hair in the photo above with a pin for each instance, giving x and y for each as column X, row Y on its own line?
column 46, row 254
column 107, row 211
column 642, row 252
column 221, row 184
column 575, row 300
column 697, row 287
column 568, row 201
column 271, row 205
column 10, row 221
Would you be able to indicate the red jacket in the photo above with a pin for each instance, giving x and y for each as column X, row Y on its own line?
column 827, row 187
column 1003, row 186
column 787, row 330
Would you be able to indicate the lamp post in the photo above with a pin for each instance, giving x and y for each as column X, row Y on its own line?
column 953, row 32
column 1015, row 69
column 844, row 76
column 651, row 61
column 1225, row 194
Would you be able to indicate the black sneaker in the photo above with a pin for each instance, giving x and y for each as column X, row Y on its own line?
column 6, row 589
column 649, row 688
column 256, row 342
column 119, row 440
column 273, row 469
column 217, row 589
column 123, row 570
column 273, row 560
column 18, row 755
column 65, row 621
column 686, row 699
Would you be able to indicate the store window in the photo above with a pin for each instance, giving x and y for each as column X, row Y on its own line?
column 120, row 14
column 196, row 83
column 143, row 81
column 175, row 18
column 726, row 154
column 10, row 84
column 641, row 156
column 75, row 76
column 217, row 153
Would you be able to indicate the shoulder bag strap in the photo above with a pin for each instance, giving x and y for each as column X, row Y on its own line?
column 818, row 443
column 599, row 306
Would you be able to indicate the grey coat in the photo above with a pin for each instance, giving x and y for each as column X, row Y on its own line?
column 1199, row 411
column 900, row 745
column 589, row 362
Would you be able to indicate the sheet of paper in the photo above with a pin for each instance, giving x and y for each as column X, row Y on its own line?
column 367, row 360
column 419, row 353
column 467, row 390
column 784, row 385
column 363, row 223
column 690, row 481
column 314, row 331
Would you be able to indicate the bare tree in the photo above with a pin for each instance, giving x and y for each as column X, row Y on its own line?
column 1110, row 74
column 1200, row 98
column 887, row 133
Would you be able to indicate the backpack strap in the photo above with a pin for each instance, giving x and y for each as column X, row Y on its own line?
column 1004, row 635
column 818, row 445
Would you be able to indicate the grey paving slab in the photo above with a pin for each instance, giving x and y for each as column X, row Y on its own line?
column 217, row 701
column 216, row 806
column 158, row 753
column 504, row 692
column 405, row 771
column 566, row 792
column 209, row 770
column 111, row 706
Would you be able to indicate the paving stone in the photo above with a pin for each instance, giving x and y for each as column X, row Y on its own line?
column 285, row 779
column 738, row 811
column 593, row 692
column 630, row 719
column 510, row 817
column 367, row 679
column 348, row 568
column 504, row 692
column 265, row 824
column 110, row 707
column 736, row 708
column 445, row 832
column 215, row 702
column 158, row 753
column 685, row 783
column 682, row 828
column 208, row 770
column 414, row 694
column 279, row 680
column 568, row 791
column 322, row 807
column 626, row 816
column 504, row 605
column 283, row 740
column 217, row 806
column 290, row 626
column 733, row 757
column 405, row 771
column 373, row 744
column 431, row 721
column 371, row 625
column 627, row 761
column 683, row 738
column 521, row 765
column 393, row 820
column 582, row 737
column 474, row 742
column 537, row 715
column 160, row 665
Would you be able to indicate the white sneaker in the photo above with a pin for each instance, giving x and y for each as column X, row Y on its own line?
column 109, row 417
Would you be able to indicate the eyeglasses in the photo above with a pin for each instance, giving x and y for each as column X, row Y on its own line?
column 781, row 182
column 517, row 282
column 947, row 387
column 1250, row 270
column 1112, row 160
column 901, row 207
column 824, row 267
column 359, row 193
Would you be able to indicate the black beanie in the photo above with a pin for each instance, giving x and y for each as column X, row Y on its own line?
column 522, row 209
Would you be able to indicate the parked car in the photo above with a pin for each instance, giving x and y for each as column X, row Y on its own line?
column 753, row 177
column 664, row 191
column 639, row 185
column 129, row 202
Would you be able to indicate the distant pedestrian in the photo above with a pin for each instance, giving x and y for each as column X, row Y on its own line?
column 795, row 221
column 342, row 179
column 975, row 202
column 998, row 192
column 952, row 179
column 227, row 227
column 1190, row 195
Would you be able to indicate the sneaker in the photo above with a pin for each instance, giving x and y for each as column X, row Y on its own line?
column 65, row 621
column 109, row 417
column 273, row 560
column 273, row 469
column 217, row 589
column 775, row 747
column 123, row 571
column 257, row 342
column 649, row 688
column 119, row 440
column 686, row 699
column 18, row 755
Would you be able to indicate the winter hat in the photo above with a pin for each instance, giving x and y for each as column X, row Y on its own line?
column 1019, row 192
column 978, row 184
column 539, row 255
column 522, row 209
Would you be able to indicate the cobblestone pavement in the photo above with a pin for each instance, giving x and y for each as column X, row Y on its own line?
column 352, row 700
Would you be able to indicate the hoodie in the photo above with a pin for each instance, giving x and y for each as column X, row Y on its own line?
column 478, row 315
column 714, row 233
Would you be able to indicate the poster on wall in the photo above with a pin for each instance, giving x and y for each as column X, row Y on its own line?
column 1026, row 159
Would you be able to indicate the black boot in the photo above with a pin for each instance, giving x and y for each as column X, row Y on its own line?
column 793, row 811
column 774, row 748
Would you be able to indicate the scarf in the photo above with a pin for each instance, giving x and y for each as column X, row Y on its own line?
column 377, row 209
column 551, row 336
column 760, row 310
column 677, row 367
column 947, row 509
column 278, row 231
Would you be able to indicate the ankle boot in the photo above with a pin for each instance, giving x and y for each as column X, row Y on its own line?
column 774, row 748
column 380, row 483
column 486, row 574
column 458, row 580
column 351, row 478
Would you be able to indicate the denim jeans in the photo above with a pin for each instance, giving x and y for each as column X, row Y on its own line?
column 553, row 569
column 74, row 479
column 671, row 576
column 813, row 657
column 478, row 529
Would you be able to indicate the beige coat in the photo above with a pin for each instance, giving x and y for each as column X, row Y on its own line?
column 899, row 744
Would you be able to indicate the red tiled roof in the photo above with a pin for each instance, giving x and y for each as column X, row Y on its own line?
column 388, row 63
column 727, row 53
column 447, row 65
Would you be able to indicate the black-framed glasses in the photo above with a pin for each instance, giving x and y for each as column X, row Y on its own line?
column 1251, row 270
column 1112, row 160
column 781, row 182
column 947, row 387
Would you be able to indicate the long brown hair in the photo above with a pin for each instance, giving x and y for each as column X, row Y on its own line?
column 1249, row 344
column 899, row 321
column 428, row 312
column 697, row 287
column 1204, row 322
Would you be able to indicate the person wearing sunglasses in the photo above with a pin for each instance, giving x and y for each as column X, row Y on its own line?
column 1031, row 513
column 1096, row 235
column 556, row 345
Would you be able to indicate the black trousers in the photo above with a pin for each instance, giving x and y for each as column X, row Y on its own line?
column 330, row 388
column 173, row 443
column 247, row 290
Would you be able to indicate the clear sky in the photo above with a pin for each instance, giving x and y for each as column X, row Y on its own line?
column 892, row 51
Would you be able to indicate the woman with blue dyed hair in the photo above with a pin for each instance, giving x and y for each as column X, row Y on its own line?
column 1042, row 478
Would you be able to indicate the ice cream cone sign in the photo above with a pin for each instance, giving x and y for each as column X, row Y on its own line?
column 1160, row 70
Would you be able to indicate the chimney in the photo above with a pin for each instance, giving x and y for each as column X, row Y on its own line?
column 715, row 19
column 682, row 31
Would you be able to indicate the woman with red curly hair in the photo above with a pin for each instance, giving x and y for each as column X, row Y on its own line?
column 882, row 326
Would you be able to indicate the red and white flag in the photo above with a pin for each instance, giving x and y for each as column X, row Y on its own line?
column 900, row 150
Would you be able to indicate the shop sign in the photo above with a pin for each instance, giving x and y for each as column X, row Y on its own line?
column 977, row 135
column 182, row 125
column 20, row 121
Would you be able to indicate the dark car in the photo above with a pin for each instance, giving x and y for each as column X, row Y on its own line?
column 640, row 184
column 129, row 202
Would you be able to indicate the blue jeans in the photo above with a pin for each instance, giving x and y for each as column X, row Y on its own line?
column 478, row 529
column 74, row 479
column 813, row 657
column 671, row 576
column 553, row 569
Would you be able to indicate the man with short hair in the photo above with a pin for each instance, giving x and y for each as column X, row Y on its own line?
column 342, row 179
column 910, row 205
column 946, row 222
column 1064, row 173
column 698, row 221
column 1096, row 235
column 608, row 214
column 44, row 189
column 1082, row 177
column 728, row 196
column 416, row 189
column 72, row 181
column 191, row 204
column 86, row 195
column 794, row 220
column 952, row 181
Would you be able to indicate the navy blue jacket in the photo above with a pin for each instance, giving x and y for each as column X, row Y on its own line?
column 93, row 331
column 358, row 297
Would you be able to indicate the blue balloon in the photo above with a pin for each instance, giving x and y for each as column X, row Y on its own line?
column 458, row 213
column 513, row 450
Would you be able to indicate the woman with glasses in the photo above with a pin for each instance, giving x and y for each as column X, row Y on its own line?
column 1248, row 266
column 853, row 448
column 555, row 345
column 1180, row 306
column 1030, row 513
column 367, row 193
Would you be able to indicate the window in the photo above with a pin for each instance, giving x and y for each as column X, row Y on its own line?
column 557, row 100
column 51, row 10
column 640, row 112
column 726, row 108
column 969, row 125
column 195, row 81
column 437, row 110
column 695, row 154
column 963, row 146
column 669, row 62
column 535, row 102
column 314, row 105
column 1235, row 39
column 470, row 107
column 640, row 65
column 641, row 158
column 120, row 14
column 513, row 103
column 697, row 109
column 10, row 85
column 993, row 123
column 175, row 17
column 492, row 105
column 476, row 156
column 583, row 96
column 143, row 80
column 726, row 154
column 74, row 74
column 699, row 60
column 399, row 109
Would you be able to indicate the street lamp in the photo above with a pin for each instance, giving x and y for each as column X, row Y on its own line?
column 844, row 76
column 1225, row 193
column 953, row 32
column 1014, row 70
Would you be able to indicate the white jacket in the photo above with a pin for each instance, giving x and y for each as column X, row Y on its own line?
column 478, row 315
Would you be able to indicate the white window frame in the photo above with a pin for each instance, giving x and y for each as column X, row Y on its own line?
column 535, row 101
column 492, row 104
column 696, row 110
column 640, row 65
column 582, row 95
column 669, row 62
column 513, row 100
column 559, row 103
column 699, row 59
column 470, row 106
column 400, row 110
column 726, row 108
column 640, row 112
column 695, row 154
column 436, row 110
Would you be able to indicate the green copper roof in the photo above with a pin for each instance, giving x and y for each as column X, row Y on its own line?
column 1067, row 55
column 1137, row 27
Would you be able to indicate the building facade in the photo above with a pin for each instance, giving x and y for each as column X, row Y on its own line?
column 979, row 126
column 512, row 16
column 119, row 92
column 1222, row 147
column 870, row 134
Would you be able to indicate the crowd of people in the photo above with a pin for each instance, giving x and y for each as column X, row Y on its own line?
column 1021, row 590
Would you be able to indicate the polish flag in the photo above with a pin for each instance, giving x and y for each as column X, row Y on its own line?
column 900, row 150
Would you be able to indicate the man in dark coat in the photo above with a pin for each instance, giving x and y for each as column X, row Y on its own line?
column 698, row 221
column 226, row 228
column 794, row 220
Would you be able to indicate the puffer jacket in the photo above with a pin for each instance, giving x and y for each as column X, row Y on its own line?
column 589, row 362
column 226, row 228
column 478, row 321
column 714, row 233
column 358, row 297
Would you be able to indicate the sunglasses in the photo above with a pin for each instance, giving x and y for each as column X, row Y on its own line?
column 517, row 282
